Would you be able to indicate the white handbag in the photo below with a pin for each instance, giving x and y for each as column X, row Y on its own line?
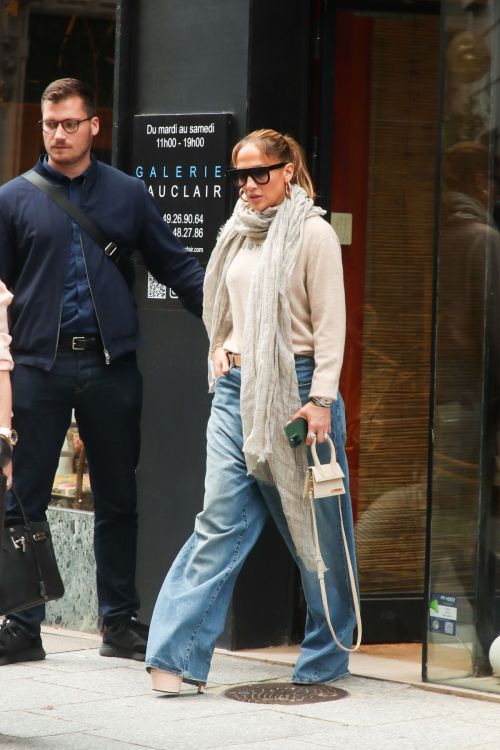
column 324, row 481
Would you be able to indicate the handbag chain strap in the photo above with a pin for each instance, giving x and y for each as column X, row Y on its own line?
column 321, row 568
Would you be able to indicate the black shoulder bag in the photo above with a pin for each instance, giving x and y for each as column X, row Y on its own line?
column 109, row 247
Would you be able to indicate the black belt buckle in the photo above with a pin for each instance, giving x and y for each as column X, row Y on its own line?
column 74, row 342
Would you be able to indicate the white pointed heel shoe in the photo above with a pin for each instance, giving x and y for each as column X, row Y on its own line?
column 169, row 682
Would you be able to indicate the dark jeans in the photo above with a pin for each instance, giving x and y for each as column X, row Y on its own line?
column 107, row 402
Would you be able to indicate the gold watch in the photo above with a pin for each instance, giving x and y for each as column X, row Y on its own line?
column 9, row 434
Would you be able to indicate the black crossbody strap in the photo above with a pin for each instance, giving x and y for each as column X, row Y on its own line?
column 55, row 194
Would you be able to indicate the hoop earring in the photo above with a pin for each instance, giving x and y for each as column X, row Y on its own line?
column 288, row 189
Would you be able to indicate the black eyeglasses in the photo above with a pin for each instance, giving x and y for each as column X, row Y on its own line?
column 70, row 125
column 260, row 175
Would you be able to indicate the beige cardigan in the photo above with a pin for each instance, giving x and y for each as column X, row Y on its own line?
column 317, row 302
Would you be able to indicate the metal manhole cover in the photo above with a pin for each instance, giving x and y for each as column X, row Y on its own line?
column 285, row 693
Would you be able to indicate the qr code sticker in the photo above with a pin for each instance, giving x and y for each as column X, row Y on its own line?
column 155, row 289
column 448, row 628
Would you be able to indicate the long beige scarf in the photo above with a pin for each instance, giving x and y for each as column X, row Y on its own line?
column 269, row 388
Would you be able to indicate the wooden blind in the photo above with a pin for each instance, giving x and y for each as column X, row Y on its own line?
column 398, row 304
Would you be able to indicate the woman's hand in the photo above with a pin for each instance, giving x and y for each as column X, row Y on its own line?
column 5, row 460
column 7, row 470
column 318, row 421
column 220, row 359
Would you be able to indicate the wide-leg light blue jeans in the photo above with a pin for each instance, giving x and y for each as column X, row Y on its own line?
column 191, row 609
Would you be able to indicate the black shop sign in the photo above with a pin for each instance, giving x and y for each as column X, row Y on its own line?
column 182, row 160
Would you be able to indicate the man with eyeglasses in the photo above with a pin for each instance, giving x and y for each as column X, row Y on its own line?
column 74, row 334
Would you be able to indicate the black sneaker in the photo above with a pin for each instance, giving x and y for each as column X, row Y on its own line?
column 127, row 640
column 17, row 644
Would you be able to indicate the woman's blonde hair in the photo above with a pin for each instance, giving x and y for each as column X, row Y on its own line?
column 283, row 148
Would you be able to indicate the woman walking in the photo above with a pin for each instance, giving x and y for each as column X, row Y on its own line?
column 274, row 312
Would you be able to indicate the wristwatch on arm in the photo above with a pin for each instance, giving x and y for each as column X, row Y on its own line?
column 8, row 438
column 9, row 434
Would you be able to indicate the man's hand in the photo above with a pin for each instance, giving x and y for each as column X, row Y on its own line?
column 5, row 459
column 7, row 470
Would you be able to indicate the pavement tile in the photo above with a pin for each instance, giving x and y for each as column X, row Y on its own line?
column 60, row 643
column 401, row 703
column 22, row 724
column 34, row 694
column 76, row 661
column 283, row 744
column 9, row 742
column 227, row 670
column 152, row 709
column 369, row 686
column 115, row 662
column 447, row 734
column 116, row 682
column 23, row 671
column 91, row 657
column 66, row 742
column 473, row 711
column 222, row 730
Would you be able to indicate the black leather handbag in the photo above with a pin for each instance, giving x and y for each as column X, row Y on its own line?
column 28, row 567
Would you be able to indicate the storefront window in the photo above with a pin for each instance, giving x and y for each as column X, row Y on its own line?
column 42, row 40
column 384, row 180
column 464, row 541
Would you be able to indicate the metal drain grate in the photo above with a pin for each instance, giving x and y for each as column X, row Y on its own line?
column 285, row 693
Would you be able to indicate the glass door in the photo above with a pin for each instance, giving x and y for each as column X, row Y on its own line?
column 463, row 586
column 386, row 86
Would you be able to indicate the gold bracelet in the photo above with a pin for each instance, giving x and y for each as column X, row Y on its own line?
column 325, row 402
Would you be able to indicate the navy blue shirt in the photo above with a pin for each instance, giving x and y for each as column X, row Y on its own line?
column 78, row 314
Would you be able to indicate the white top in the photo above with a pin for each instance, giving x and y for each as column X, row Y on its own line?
column 317, row 302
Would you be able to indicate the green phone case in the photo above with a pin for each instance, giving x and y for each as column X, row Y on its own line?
column 296, row 431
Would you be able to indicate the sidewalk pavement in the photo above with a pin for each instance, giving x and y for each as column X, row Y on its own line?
column 78, row 700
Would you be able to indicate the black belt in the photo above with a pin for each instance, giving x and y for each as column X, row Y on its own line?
column 75, row 343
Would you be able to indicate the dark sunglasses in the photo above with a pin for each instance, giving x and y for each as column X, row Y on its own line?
column 260, row 175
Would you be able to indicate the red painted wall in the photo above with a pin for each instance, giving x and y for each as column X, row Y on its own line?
column 351, row 130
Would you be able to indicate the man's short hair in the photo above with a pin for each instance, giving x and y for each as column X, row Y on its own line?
column 64, row 88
